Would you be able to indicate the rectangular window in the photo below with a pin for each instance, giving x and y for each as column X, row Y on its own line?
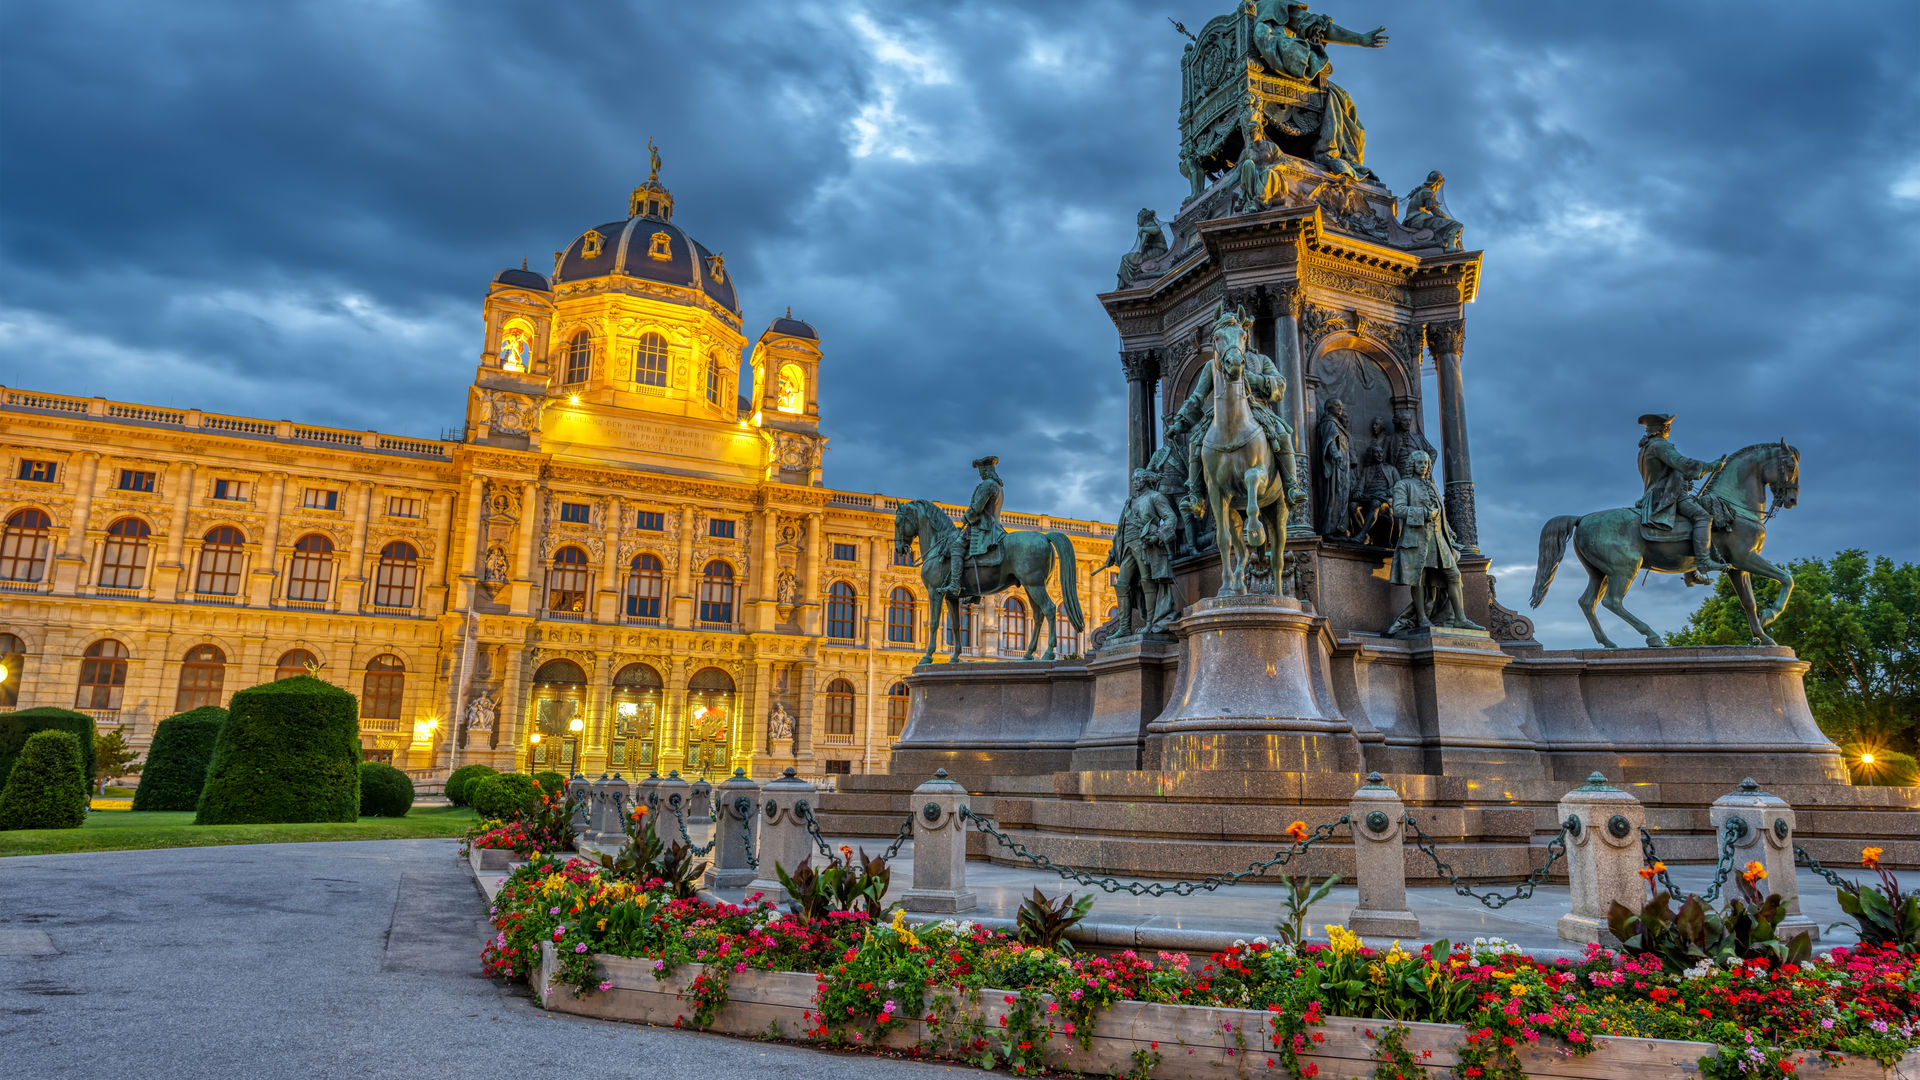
column 135, row 480
column 579, row 513
column 721, row 527
column 839, row 768
column 322, row 499
column 402, row 506
column 40, row 472
column 651, row 521
column 232, row 490
column 846, row 553
column 903, row 556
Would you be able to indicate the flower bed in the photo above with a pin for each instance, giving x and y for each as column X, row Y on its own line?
column 599, row 946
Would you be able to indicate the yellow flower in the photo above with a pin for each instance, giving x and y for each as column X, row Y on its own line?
column 1754, row 872
column 601, row 925
column 1341, row 941
column 1397, row 955
column 1503, row 974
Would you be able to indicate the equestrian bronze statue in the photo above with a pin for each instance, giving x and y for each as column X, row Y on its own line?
column 959, row 564
column 1725, row 526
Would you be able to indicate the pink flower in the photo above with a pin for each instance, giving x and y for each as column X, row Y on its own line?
column 581, row 947
column 606, row 986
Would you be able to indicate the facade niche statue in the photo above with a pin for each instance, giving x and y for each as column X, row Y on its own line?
column 1404, row 441
column 1149, row 247
column 780, row 724
column 1336, row 469
column 1427, row 558
column 1142, row 549
column 480, row 713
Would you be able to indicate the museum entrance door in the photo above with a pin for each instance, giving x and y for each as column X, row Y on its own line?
column 636, row 716
column 559, row 699
column 710, row 721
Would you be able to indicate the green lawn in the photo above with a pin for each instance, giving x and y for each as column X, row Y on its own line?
column 127, row 830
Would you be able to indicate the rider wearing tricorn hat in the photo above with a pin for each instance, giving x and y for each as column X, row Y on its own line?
column 980, row 531
column 1668, row 475
column 1266, row 388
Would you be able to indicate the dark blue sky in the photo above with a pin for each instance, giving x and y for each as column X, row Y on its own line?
column 293, row 210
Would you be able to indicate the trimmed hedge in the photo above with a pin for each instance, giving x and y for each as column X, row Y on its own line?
column 17, row 727
column 47, row 788
column 384, row 790
column 177, row 762
column 290, row 751
column 507, row 796
column 462, row 778
column 551, row 781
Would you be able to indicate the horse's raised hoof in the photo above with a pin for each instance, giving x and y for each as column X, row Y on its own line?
column 1655, row 641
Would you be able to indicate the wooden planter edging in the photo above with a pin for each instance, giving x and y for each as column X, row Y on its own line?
column 1195, row 1043
column 481, row 859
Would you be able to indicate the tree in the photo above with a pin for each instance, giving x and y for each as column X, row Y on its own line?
column 112, row 756
column 1856, row 620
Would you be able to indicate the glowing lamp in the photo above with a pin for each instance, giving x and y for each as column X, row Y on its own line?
column 573, row 399
column 1866, row 758
column 3, row 673
column 575, row 725
column 534, row 738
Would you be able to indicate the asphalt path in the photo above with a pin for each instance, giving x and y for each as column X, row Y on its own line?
column 353, row 959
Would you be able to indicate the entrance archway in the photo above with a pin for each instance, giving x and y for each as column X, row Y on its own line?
column 710, row 714
column 559, row 697
column 636, row 715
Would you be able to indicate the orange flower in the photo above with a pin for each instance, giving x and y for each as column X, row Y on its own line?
column 1754, row 872
column 1647, row 872
column 1870, row 858
column 1297, row 830
column 846, row 852
column 639, row 812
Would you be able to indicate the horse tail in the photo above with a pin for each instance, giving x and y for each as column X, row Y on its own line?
column 1069, row 588
column 1553, row 545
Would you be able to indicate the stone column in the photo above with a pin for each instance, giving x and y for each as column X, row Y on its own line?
column 70, row 565
column 736, row 806
column 1603, row 827
column 182, row 496
column 783, row 832
column 260, row 589
column 1444, row 341
column 1766, row 838
column 810, row 583
column 1142, row 367
column 682, row 605
column 463, row 554
column 759, row 702
column 612, row 580
column 939, row 848
column 803, row 724
column 1380, row 863
column 526, row 580
column 434, row 601
column 354, row 581
column 1287, row 302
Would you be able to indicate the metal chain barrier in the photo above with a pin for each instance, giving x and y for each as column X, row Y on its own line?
column 905, row 834
column 805, row 813
column 1734, row 830
column 696, row 849
column 1556, row 850
column 1652, row 860
column 1801, row 856
column 745, row 808
column 1154, row 888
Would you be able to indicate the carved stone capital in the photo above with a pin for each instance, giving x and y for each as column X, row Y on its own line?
column 1255, row 300
column 1317, row 322
column 1287, row 299
column 1141, row 365
column 1459, row 499
column 1446, row 337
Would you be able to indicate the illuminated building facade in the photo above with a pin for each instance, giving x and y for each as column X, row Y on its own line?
column 624, row 553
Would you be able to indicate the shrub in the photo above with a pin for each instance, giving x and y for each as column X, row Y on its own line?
column 47, row 788
column 290, row 751
column 17, row 727
column 384, row 790
column 506, row 796
column 462, row 778
column 176, row 767
column 550, row 782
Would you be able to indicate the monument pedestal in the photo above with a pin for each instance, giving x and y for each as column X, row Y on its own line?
column 1010, row 717
column 1130, row 682
column 1253, row 693
column 1477, row 727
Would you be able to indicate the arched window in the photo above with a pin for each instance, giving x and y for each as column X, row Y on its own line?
column 902, row 614
column 650, row 360
column 516, row 343
column 202, row 675
column 567, row 581
column 123, row 558
column 221, row 557
column 840, row 604
column 103, row 675
column 385, row 683
column 645, row 583
column 1013, row 625
column 1069, row 638
column 579, row 357
column 840, row 707
column 295, row 662
column 713, row 380
column 394, row 580
column 966, row 629
column 13, row 664
column 311, row 571
column 897, row 700
column 23, row 546
column 716, row 594
column 793, row 389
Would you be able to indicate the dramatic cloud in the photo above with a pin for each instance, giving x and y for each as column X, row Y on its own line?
column 293, row 210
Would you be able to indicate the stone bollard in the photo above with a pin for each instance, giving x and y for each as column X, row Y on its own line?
column 1602, row 826
column 619, row 796
column 736, row 805
column 939, row 848
column 1767, row 840
column 671, row 815
column 784, row 840
column 580, row 793
column 647, row 793
column 700, row 811
column 597, row 808
column 1380, row 862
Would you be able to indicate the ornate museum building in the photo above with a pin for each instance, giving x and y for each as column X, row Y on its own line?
column 624, row 554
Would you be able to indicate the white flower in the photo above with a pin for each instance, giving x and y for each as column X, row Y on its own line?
column 1261, row 941
column 1239, row 944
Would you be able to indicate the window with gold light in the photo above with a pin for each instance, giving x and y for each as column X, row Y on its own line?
column 650, row 360
column 559, row 699
column 793, row 389
column 1013, row 625
column 202, row 675
column 222, row 555
column 310, row 573
column 710, row 711
column 396, row 576
column 839, row 709
column 295, row 662
column 897, row 702
column 637, row 696
column 123, row 557
column 103, row 676
column 383, row 688
column 23, row 546
column 567, row 581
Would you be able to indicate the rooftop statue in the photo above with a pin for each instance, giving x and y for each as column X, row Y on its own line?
column 1726, row 522
column 1426, row 210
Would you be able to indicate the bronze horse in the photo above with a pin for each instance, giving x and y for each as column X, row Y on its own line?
column 1244, row 483
column 1026, row 559
column 1610, row 545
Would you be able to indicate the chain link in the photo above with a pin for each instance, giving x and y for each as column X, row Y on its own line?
column 905, row 834
column 1806, row 859
column 1556, row 849
column 1734, row 829
column 1153, row 888
column 805, row 814
column 746, row 809
column 697, row 850
column 1651, row 860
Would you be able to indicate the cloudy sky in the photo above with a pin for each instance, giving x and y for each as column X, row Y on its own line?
column 292, row 210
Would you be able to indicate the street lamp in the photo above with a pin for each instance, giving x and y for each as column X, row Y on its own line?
column 575, row 725
column 533, row 741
